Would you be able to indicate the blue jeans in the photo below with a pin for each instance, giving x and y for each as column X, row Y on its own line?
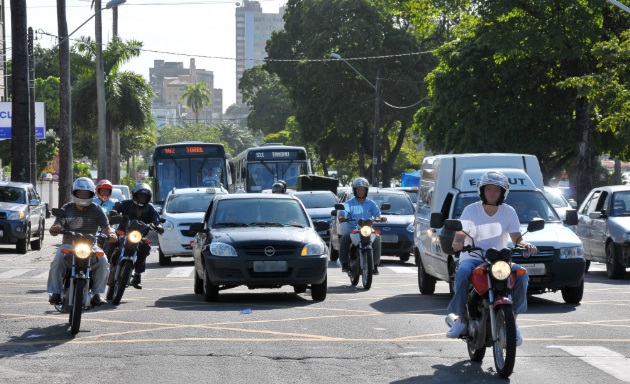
column 99, row 270
column 344, row 249
column 462, row 283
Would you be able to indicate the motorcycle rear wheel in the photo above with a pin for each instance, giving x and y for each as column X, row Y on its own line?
column 122, row 281
column 505, row 346
column 77, row 306
column 367, row 270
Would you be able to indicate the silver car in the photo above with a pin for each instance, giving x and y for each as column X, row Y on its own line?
column 604, row 228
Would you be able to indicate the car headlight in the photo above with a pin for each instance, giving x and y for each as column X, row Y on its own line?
column 134, row 236
column 313, row 249
column 18, row 215
column 571, row 252
column 410, row 228
column 82, row 250
column 366, row 231
column 501, row 270
column 222, row 249
column 168, row 226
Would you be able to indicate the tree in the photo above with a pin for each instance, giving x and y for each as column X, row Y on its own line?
column 197, row 97
column 47, row 91
column 189, row 132
column 236, row 137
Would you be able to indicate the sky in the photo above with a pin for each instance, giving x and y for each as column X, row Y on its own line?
column 203, row 29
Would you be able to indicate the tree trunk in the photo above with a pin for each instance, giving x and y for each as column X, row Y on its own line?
column 109, row 150
column 100, row 95
column 65, row 130
column 20, row 122
column 388, row 164
column 618, row 172
column 116, row 156
column 585, row 150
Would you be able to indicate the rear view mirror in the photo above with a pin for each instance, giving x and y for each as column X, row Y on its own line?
column 58, row 212
column 535, row 225
column 573, row 204
column 321, row 225
column 595, row 215
column 571, row 217
column 385, row 206
column 333, row 212
column 340, row 207
column 455, row 225
column 437, row 220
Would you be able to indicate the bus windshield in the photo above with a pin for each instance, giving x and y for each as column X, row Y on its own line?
column 262, row 175
column 187, row 172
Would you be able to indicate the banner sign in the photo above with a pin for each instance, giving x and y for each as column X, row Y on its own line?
column 5, row 120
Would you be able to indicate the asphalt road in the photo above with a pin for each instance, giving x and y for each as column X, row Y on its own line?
column 389, row 334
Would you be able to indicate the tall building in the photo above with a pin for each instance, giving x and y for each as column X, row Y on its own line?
column 168, row 80
column 253, row 29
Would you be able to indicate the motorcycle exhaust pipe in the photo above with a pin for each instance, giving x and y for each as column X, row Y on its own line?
column 450, row 319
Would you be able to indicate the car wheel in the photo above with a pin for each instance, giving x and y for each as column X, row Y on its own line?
column 587, row 265
column 22, row 244
column 614, row 269
column 404, row 258
column 334, row 254
column 37, row 244
column 426, row 282
column 318, row 291
column 573, row 295
column 163, row 260
column 301, row 288
column 210, row 291
column 198, row 284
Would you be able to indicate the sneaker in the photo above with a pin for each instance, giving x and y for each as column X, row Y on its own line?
column 519, row 338
column 135, row 281
column 97, row 301
column 457, row 329
column 345, row 267
column 55, row 298
column 375, row 270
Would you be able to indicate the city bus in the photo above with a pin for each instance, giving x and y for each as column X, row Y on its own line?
column 186, row 165
column 256, row 169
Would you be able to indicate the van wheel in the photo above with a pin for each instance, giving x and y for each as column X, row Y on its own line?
column 614, row 269
column 404, row 258
column 426, row 282
column 334, row 254
column 162, row 259
column 573, row 295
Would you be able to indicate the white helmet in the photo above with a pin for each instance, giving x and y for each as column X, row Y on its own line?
column 360, row 182
column 494, row 178
column 83, row 184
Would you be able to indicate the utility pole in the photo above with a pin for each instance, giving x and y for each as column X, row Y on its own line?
column 100, row 95
column 65, row 129
column 377, row 105
column 31, row 104
column 115, row 133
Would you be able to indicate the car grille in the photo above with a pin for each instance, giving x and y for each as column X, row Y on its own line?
column 186, row 232
column 258, row 250
column 3, row 215
column 281, row 275
column 544, row 254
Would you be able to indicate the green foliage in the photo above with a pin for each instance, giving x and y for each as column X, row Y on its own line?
column 197, row 97
column 189, row 132
column 81, row 170
column 235, row 137
column 46, row 150
column 129, row 181
column 47, row 91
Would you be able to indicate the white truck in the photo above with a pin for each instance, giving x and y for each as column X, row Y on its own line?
column 449, row 183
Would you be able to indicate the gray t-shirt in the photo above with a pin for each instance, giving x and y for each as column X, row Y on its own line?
column 86, row 221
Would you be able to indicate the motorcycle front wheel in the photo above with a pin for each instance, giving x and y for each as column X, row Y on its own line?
column 122, row 281
column 77, row 306
column 505, row 344
column 476, row 355
column 367, row 270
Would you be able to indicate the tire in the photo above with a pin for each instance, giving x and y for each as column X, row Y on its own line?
column 210, row 291
column 404, row 258
column 163, row 260
column 301, row 288
column 121, row 283
column 573, row 295
column 614, row 269
column 319, row 291
column 426, row 282
column 587, row 265
column 334, row 254
column 505, row 346
column 198, row 284
column 37, row 244
column 476, row 355
column 22, row 244
column 77, row 306
column 367, row 272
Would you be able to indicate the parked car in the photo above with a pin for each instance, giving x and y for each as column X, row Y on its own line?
column 318, row 205
column 124, row 189
column 396, row 233
column 22, row 216
column 182, row 207
column 559, row 202
column 604, row 228
column 261, row 241
column 411, row 191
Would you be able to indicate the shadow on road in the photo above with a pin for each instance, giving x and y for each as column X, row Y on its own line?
column 38, row 339
column 413, row 303
column 227, row 301
column 462, row 372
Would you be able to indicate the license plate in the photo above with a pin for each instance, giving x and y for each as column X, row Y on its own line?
column 270, row 266
column 389, row 238
column 535, row 269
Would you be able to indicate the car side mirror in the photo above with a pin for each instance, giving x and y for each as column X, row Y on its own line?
column 535, row 225
column 321, row 225
column 437, row 220
column 58, row 212
column 595, row 215
column 33, row 202
column 573, row 204
column 340, row 207
column 162, row 221
column 571, row 217
column 198, row 228
column 385, row 206
column 454, row 225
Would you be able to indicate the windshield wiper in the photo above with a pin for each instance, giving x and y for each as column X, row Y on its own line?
column 266, row 224
column 231, row 224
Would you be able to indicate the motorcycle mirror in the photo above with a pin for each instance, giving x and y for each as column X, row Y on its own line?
column 333, row 212
column 454, row 225
column 340, row 207
column 117, row 219
column 535, row 225
column 58, row 212
column 437, row 220
column 571, row 217
column 162, row 221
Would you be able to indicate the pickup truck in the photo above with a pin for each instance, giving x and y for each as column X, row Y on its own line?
column 22, row 216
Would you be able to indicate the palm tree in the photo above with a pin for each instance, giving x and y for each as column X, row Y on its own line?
column 197, row 97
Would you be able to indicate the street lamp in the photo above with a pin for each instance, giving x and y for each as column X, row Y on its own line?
column 377, row 103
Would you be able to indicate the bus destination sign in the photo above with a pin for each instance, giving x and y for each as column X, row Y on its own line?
column 275, row 155
column 189, row 150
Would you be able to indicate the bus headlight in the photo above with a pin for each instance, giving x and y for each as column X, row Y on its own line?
column 366, row 231
column 222, row 249
column 571, row 252
column 313, row 249
column 501, row 270
column 82, row 250
column 134, row 236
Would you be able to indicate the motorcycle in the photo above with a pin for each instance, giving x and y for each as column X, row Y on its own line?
column 491, row 321
column 361, row 257
column 76, row 295
column 124, row 257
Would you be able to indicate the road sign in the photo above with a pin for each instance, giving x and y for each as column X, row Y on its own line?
column 5, row 120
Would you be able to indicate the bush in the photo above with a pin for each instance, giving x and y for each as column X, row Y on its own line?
column 81, row 170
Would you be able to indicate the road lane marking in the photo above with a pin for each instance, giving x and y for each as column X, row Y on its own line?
column 43, row 275
column 180, row 272
column 408, row 270
column 604, row 359
column 13, row 273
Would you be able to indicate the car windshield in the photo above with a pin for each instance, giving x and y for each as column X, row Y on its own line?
column 400, row 204
column 187, row 203
column 259, row 212
column 320, row 200
column 413, row 195
column 527, row 204
column 556, row 200
column 12, row 195
column 117, row 194
column 621, row 204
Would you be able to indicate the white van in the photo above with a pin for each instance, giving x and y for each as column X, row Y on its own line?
column 449, row 183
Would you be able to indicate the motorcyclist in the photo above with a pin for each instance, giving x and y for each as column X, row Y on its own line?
column 359, row 207
column 81, row 215
column 139, row 208
column 488, row 222
column 103, row 194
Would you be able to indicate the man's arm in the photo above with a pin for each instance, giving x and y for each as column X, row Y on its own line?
column 517, row 239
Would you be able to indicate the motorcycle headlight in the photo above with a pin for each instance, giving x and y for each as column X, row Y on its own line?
column 571, row 252
column 134, row 236
column 313, row 249
column 82, row 250
column 19, row 215
column 501, row 270
column 222, row 249
column 168, row 226
column 366, row 231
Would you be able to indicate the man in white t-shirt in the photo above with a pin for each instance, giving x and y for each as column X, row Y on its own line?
column 491, row 224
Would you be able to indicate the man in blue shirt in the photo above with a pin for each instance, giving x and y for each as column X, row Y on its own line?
column 359, row 207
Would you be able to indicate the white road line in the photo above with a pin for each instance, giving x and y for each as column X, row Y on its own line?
column 181, row 272
column 604, row 359
column 13, row 273
column 403, row 269
column 43, row 275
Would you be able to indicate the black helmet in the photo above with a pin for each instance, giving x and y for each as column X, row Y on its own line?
column 141, row 194
column 278, row 187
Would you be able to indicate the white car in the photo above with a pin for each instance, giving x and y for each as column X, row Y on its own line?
column 124, row 190
column 559, row 202
column 182, row 207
